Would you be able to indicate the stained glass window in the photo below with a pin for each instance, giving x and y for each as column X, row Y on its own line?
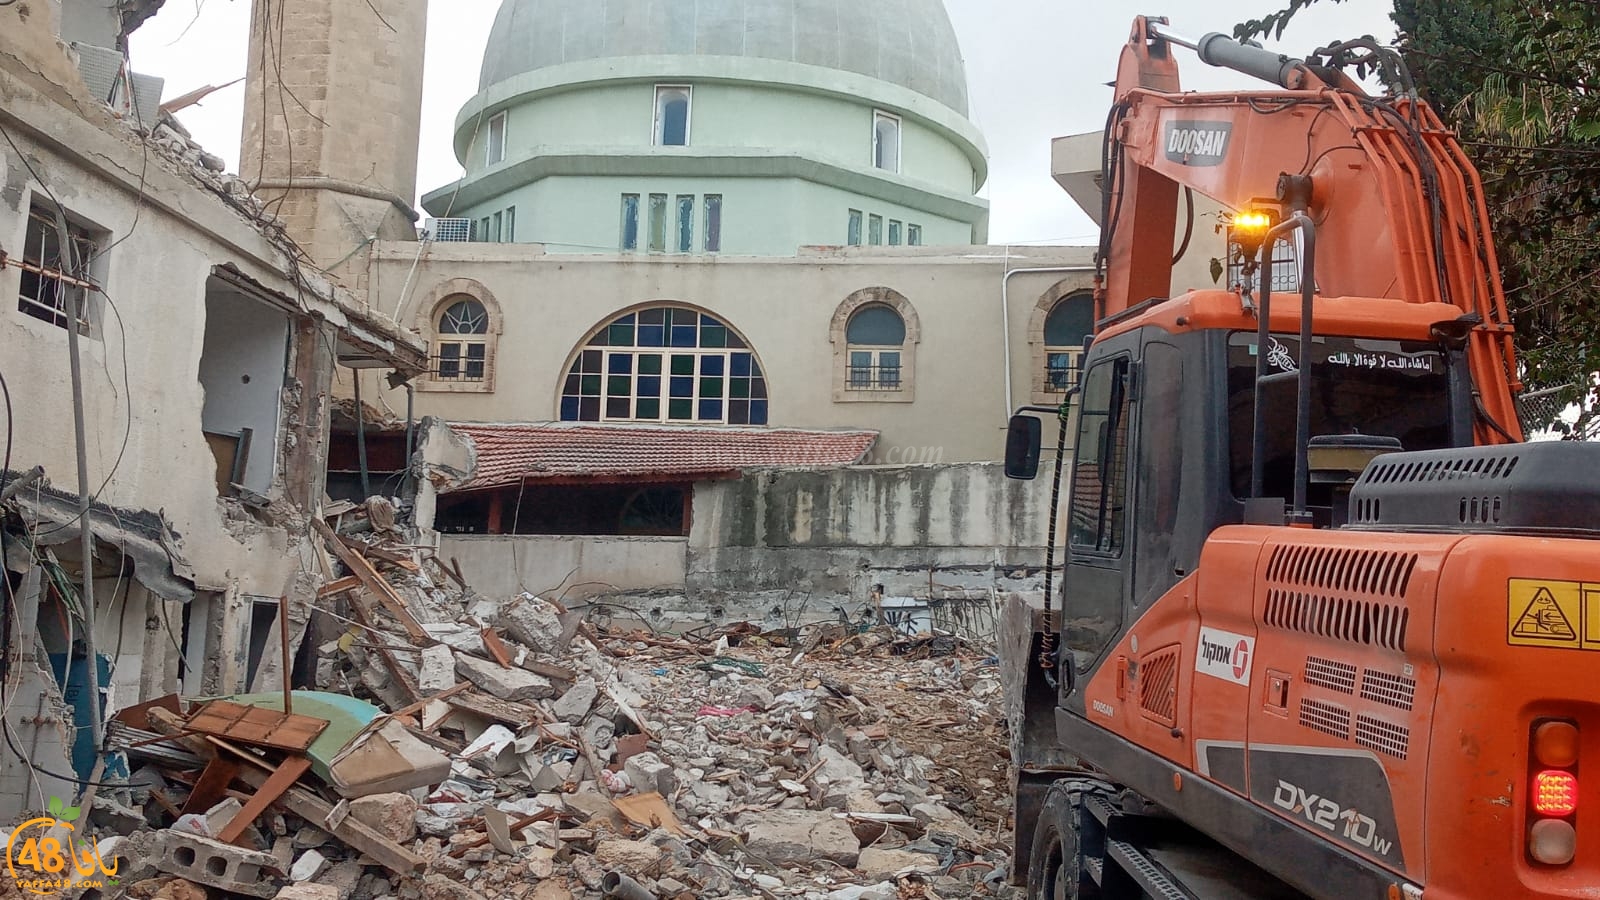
column 666, row 364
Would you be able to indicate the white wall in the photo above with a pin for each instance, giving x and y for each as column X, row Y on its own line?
column 242, row 370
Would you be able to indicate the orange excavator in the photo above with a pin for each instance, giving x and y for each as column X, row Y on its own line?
column 1327, row 626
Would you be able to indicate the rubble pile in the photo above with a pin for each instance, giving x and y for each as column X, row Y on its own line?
column 518, row 751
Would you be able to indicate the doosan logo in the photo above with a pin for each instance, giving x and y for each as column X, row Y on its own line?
column 1225, row 655
column 1198, row 143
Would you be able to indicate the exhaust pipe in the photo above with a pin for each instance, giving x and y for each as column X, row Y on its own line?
column 620, row 887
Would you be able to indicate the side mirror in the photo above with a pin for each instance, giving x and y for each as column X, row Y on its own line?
column 1023, row 438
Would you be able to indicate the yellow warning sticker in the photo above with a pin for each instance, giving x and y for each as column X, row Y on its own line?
column 1542, row 613
column 1545, row 612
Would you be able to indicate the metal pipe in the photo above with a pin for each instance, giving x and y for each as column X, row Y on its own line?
column 74, row 311
column 620, row 887
column 411, row 400
column 1005, row 312
column 1224, row 52
column 361, row 438
column 1298, row 222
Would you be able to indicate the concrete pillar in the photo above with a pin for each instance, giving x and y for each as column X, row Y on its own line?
column 332, row 117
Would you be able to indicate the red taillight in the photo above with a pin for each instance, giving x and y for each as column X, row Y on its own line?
column 1555, row 793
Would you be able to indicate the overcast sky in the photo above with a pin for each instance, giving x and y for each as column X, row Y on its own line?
column 1037, row 70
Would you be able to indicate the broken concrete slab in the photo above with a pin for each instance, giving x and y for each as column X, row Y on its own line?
column 308, row 892
column 514, row 685
column 393, row 815
column 575, row 703
column 878, row 863
column 536, row 624
column 795, row 836
column 438, row 671
column 224, row 866
column 631, row 856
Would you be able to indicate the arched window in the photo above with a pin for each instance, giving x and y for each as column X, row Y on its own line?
column 666, row 364
column 672, row 115
column 875, row 336
column 875, row 333
column 461, row 341
column 1066, row 330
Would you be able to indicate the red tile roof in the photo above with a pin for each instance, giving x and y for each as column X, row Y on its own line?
column 571, row 451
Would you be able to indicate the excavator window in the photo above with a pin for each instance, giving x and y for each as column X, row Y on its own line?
column 1100, row 468
column 1399, row 389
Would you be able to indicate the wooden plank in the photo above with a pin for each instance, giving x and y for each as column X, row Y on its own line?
column 445, row 694
column 359, row 837
column 496, row 647
column 481, row 704
column 550, row 670
column 284, row 778
column 347, row 583
column 374, row 582
column 208, row 791
column 374, row 552
column 543, row 815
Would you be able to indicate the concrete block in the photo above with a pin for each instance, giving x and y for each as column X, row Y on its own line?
column 392, row 815
column 516, row 685
column 308, row 866
column 219, row 865
column 649, row 773
column 535, row 624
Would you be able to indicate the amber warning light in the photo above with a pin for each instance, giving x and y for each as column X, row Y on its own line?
column 1555, row 793
column 1257, row 222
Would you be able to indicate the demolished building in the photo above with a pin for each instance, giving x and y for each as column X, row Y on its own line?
column 154, row 299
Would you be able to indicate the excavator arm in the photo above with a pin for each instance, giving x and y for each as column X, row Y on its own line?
column 1397, row 206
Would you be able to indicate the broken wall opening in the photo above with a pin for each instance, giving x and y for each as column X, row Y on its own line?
column 243, row 367
column 634, row 509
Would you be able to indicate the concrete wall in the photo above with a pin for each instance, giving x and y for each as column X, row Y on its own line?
column 504, row 566
column 785, row 307
column 760, row 216
column 917, row 530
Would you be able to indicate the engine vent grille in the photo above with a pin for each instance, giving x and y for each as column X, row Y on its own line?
column 1481, row 510
column 1385, row 573
column 1442, row 469
column 1331, row 674
column 1384, row 737
column 1326, row 718
column 1357, row 621
column 1395, row 690
column 1158, row 686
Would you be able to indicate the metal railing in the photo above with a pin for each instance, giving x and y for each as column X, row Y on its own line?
column 873, row 378
column 457, row 368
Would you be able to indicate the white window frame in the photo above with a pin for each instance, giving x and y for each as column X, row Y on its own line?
column 659, row 121
column 495, row 152
column 879, row 115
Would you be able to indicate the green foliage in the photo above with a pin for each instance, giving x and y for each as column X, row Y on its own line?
column 1519, row 80
column 61, row 811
